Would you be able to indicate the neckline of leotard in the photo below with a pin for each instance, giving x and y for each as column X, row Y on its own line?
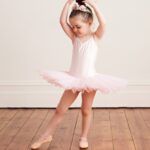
column 83, row 42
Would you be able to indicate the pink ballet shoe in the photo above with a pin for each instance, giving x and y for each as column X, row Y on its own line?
column 41, row 141
column 83, row 143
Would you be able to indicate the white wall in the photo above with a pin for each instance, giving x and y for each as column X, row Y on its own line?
column 31, row 38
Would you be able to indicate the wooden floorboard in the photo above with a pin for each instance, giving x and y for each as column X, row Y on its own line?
column 102, row 138
column 139, row 130
column 5, row 117
column 26, row 133
column 122, row 138
column 42, row 127
column 8, row 134
column 111, row 129
column 65, row 132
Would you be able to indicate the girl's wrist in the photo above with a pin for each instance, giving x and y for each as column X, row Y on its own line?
column 67, row 4
column 93, row 4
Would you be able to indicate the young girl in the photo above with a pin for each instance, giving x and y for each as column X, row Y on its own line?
column 82, row 76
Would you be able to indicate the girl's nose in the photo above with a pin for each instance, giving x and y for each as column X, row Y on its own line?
column 74, row 30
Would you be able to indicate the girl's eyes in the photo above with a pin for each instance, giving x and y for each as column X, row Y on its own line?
column 76, row 27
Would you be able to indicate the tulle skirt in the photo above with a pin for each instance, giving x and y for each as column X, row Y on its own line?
column 103, row 82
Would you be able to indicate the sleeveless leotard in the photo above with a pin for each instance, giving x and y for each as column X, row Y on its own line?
column 82, row 75
column 83, row 58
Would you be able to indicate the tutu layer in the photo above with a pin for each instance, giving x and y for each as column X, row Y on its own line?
column 102, row 82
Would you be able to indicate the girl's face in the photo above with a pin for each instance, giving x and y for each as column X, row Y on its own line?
column 79, row 27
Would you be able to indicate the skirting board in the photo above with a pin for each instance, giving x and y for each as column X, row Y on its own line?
column 36, row 94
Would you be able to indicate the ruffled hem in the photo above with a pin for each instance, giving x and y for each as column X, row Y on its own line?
column 103, row 82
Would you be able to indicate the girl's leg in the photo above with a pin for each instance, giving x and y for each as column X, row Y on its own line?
column 66, row 100
column 86, row 109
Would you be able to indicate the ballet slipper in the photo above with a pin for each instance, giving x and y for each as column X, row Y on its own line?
column 83, row 142
column 38, row 143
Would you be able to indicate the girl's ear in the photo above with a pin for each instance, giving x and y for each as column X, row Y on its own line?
column 90, row 22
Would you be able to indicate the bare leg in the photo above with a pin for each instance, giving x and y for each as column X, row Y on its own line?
column 66, row 100
column 87, row 100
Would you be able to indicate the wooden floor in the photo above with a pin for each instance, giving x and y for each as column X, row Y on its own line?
column 111, row 129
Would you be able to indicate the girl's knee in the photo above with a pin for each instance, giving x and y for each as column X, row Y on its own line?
column 85, row 93
column 75, row 92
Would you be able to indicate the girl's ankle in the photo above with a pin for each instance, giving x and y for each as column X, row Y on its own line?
column 83, row 138
column 46, row 136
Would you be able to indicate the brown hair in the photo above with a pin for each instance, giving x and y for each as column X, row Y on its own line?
column 87, row 16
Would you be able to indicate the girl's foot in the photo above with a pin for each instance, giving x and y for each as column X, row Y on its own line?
column 41, row 141
column 83, row 142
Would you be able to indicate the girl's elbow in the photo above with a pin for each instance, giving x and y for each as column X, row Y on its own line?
column 104, row 23
column 61, row 21
column 103, row 26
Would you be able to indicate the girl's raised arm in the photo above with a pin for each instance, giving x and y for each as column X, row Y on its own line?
column 63, row 20
column 102, row 23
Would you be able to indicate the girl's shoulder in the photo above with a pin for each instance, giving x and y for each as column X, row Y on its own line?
column 74, row 38
column 95, row 38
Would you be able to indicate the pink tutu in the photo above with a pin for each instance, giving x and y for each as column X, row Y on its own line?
column 103, row 83
column 82, row 75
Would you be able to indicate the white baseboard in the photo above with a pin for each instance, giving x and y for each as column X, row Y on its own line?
column 43, row 95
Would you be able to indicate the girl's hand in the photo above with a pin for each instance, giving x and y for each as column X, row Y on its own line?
column 90, row 2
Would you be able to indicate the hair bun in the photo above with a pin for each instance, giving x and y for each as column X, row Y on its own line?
column 80, row 2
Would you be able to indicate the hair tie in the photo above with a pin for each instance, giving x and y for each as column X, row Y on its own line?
column 76, row 6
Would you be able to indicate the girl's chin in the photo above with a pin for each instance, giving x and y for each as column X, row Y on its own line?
column 80, row 35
